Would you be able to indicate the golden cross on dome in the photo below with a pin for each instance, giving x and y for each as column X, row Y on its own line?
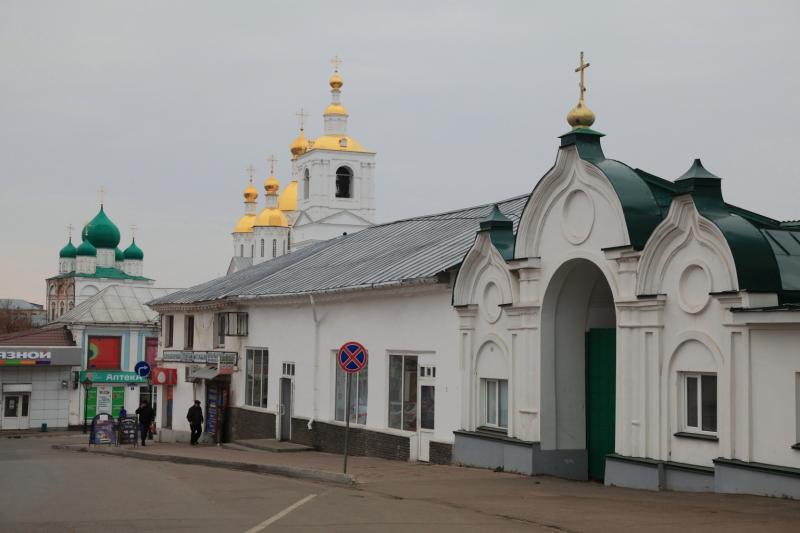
column 583, row 66
column 336, row 61
column 272, row 161
column 70, row 227
column 302, row 116
column 251, row 170
column 102, row 191
column 134, row 229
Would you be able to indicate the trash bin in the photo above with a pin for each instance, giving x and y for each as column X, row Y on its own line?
column 44, row 426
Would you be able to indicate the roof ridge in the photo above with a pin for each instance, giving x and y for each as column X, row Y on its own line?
column 423, row 217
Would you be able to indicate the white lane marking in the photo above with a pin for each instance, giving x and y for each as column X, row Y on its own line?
column 274, row 518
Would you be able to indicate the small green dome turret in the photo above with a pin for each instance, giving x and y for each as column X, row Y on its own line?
column 86, row 249
column 69, row 251
column 101, row 232
column 118, row 255
column 133, row 252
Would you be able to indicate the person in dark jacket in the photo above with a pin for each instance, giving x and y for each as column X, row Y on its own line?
column 195, row 418
column 146, row 416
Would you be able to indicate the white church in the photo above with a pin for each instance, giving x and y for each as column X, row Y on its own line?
column 609, row 325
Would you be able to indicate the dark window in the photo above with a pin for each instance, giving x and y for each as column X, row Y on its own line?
column 241, row 250
column 189, row 344
column 306, row 184
column 262, row 247
column 169, row 322
column 256, row 377
column 274, row 247
column 219, row 325
column 701, row 402
column 344, row 183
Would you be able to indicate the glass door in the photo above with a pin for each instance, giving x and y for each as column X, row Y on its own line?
column 15, row 410
column 427, row 409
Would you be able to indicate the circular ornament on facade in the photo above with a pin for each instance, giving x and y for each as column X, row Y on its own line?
column 492, row 298
column 577, row 216
column 694, row 287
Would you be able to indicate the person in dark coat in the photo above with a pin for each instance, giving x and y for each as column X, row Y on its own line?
column 146, row 416
column 195, row 418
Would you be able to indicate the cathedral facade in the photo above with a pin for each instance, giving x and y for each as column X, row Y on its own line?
column 331, row 192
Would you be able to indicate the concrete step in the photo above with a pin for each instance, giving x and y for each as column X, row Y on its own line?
column 272, row 445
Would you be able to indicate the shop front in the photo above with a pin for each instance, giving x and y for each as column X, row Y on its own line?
column 108, row 391
column 35, row 383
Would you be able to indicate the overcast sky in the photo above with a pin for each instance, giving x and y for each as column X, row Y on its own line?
column 165, row 103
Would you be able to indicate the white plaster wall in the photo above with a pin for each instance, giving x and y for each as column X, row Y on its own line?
column 775, row 364
column 49, row 402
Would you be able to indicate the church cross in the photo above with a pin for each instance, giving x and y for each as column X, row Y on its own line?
column 251, row 170
column 583, row 66
column 336, row 61
column 272, row 161
column 302, row 116
column 102, row 191
column 70, row 227
column 134, row 229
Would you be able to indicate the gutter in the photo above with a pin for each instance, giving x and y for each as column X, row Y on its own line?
column 316, row 319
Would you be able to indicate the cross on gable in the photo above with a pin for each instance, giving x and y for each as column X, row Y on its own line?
column 582, row 67
column 336, row 61
column 302, row 115
column 271, row 159
column 102, row 192
column 250, row 171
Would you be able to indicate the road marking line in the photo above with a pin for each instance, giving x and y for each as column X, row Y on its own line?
column 274, row 518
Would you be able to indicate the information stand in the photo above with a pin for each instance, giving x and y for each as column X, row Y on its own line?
column 103, row 430
column 127, row 431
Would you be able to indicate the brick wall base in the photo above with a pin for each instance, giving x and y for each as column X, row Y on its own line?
column 441, row 453
column 246, row 424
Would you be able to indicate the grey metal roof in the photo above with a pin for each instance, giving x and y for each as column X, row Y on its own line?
column 404, row 250
column 116, row 304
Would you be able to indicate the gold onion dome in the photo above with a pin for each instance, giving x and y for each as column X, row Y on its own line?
column 250, row 193
column 299, row 145
column 245, row 224
column 272, row 217
column 271, row 185
column 336, row 80
column 335, row 109
column 580, row 116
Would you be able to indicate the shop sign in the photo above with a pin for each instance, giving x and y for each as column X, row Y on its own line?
column 28, row 356
column 165, row 376
column 106, row 376
column 209, row 357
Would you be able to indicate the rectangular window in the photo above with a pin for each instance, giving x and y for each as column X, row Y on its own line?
column 189, row 333
column 700, row 397
column 495, row 411
column 220, row 324
column 358, row 395
column 256, row 374
column 169, row 325
column 234, row 324
column 403, row 392
column 262, row 247
column 274, row 248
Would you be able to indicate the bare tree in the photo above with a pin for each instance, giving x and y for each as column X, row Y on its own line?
column 13, row 319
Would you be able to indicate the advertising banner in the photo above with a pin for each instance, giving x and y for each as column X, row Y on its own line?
column 209, row 357
column 104, row 352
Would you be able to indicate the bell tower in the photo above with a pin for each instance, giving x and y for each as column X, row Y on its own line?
column 335, row 175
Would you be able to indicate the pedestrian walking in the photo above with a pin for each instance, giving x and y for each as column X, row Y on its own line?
column 123, row 413
column 195, row 418
column 146, row 417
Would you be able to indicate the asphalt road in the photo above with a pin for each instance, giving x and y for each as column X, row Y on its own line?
column 44, row 490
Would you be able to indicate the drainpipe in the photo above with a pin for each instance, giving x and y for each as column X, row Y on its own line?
column 316, row 358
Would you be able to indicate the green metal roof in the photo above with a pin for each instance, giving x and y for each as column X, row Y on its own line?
column 69, row 250
column 86, row 249
column 101, row 232
column 102, row 272
column 501, row 231
column 133, row 252
column 118, row 255
column 766, row 252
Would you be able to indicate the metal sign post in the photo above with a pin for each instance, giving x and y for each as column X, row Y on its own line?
column 352, row 358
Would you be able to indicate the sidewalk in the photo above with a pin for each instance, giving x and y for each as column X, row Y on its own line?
column 37, row 433
column 544, row 501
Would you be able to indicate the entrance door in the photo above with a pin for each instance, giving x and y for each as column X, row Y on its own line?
column 426, row 414
column 600, row 398
column 286, row 409
column 15, row 410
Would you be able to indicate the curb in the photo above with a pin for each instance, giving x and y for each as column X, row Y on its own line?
column 279, row 470
column 40, row 435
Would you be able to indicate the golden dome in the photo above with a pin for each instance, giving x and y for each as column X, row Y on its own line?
column 271, row 185
column 336, row 80
column 343, row 143
column 272, row 217
column 287, row 201
column 250, row 194
column 245, row 224
column 335, row 109
column 299, row 145
column 580, row 116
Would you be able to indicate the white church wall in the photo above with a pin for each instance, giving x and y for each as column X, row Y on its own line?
column 775, row 396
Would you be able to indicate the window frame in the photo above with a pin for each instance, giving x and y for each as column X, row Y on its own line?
column 306, row 184
column 249, row 382
column 169, row 330
column 274, row 248
column 350, row 175
column 356, row 388
column 484, row 399
column 403, row 387
column 188, row 332
column 220, row 329
column 684, row 406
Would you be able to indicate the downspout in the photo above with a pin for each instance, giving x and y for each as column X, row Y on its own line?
column 316, row 358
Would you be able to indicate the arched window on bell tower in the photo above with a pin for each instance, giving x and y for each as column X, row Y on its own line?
column 306, row 184
column 344, row 182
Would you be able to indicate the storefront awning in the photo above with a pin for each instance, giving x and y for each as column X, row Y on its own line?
column 203, row 373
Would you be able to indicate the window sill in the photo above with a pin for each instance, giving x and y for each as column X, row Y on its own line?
column 698, row 436
column 492, row 430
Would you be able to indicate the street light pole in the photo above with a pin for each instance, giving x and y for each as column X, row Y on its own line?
column 86, row 384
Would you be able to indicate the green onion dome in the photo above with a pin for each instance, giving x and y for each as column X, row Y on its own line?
column 118, row 255
column 101, row 232
column 86, row 249
column 133, row 252
column 69, row 251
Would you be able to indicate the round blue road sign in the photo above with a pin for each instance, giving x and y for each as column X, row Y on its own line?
column 142, row 369
column 352, row 357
